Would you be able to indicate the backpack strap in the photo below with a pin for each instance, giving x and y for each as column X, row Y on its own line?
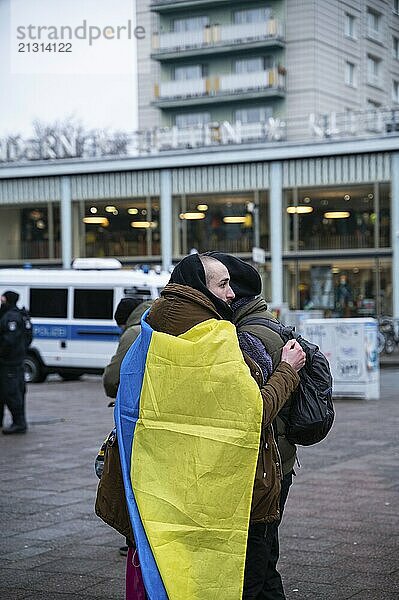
column 274, row 325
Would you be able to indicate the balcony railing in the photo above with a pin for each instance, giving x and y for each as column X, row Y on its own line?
column 222, row 85
column 179, row 40
column 271, row 28
column 183, row 89
column 214, row 36
column 237, row 82
column 168, row 5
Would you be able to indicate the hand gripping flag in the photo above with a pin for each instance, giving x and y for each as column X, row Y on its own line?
column 188, row 417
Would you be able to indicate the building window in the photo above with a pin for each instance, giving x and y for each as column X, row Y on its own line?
column 395, row 91
column 189, row 24
column 350, row 26
column 188, row 72
column 257, row 114
column 350, row 74
column 50, row 303
column 373, row 24
column 192, row 119
column 374, row 119
column 329, row 218
column 373, row 70
column 223, row 222
column 251, row 15
column 252, row 65
column 395, row 47
column 93, row 304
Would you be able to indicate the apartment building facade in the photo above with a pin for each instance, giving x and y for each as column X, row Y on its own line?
column 228, row 60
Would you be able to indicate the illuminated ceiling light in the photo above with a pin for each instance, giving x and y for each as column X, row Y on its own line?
column 370, row 196
column 355, row 270
column 133, row 211
column 93, row 210
column 299, row 210
column 143, row 224
column 96, row 221
column 115, row 212
column 234, row 219
column 347, row 197
column 338, row 214
column 307, row 199
column 202, row 207
column 192, row 216
column 110, row 209
column 40, row 224
column 335, row 270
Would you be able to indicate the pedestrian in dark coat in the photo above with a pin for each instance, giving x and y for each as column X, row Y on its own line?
column 14, row 341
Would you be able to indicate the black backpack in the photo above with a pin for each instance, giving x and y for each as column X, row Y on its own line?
column 311, row 415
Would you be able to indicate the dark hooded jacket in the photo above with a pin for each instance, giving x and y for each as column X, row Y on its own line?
column 13, row 333
column 179, row 309
column 112, row 370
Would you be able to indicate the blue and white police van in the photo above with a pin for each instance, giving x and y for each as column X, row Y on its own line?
column 72, row 313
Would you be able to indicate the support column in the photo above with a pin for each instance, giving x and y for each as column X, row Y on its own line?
column 166, row 219
column 395, row 232
column 276, row 231
column 66, row 222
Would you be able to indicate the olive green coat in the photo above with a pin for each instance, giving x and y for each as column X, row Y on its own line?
column 273, row 344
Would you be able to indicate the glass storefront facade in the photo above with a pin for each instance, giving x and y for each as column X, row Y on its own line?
column 336, row 240
column 224, row 222
column 358, row 287
column 30, row 233
column 128, row 229
column 350, row 217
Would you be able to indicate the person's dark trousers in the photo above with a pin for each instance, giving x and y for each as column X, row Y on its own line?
column 12, row 392
column 262, row 581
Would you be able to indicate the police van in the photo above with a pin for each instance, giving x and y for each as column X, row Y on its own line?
column 72, row 313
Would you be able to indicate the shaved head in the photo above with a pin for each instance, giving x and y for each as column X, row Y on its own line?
column 217, row 278
column 211, row 266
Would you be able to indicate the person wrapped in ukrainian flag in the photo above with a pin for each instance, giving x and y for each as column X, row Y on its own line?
column 198, row 457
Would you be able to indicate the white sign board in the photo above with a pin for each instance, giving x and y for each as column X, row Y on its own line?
column 258, row 255
column 350, row 346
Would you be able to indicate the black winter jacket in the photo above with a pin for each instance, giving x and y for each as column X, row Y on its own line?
column 13, row 343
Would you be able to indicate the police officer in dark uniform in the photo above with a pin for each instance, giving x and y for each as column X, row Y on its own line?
column 15, row 338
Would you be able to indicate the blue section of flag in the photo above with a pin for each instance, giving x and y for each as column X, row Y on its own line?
column 127, row 408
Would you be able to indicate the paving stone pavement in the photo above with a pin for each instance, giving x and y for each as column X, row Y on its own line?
column 339, row 537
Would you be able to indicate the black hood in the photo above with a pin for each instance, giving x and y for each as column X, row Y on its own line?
column 190, row 271
column 245, row 280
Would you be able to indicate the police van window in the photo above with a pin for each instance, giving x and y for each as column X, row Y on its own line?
column 48, row 302
column 93, row 304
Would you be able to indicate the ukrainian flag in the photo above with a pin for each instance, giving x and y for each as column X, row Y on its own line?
column 188, row 417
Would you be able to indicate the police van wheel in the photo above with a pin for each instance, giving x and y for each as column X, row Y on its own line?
column 33, row 371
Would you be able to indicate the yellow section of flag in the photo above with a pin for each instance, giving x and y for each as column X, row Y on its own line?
column 194, row 457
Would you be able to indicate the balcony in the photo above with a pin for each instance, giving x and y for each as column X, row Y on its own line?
column 163, row 6
column 188, row 89
column 224, row 88
column 218, row 39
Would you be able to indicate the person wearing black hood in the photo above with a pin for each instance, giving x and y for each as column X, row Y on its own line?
column 14, row 341
column 265, row 347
